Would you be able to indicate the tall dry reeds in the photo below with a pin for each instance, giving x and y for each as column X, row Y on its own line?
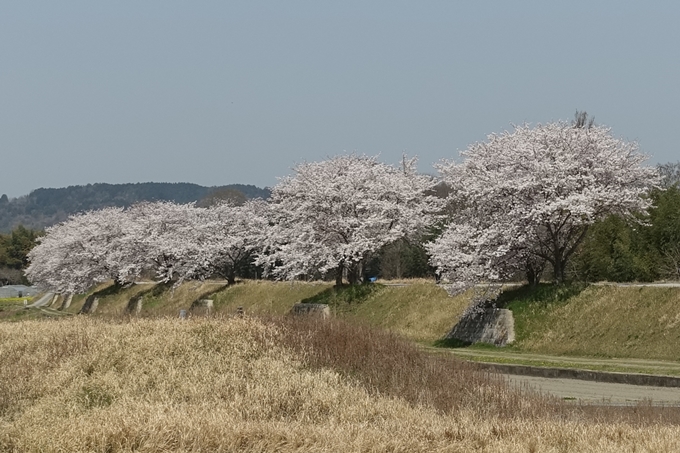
column 386, row 364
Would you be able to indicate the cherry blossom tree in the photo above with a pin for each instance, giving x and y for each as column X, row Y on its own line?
column 528, row 196
column 182, row 241
column 117, row 244
column 168, row 238
column 176, row 241
column 330, row 216
column 83, row 251
column 232, row 234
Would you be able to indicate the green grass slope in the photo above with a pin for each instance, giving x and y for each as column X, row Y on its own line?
column 592, row 321
column 604, row 321
column 420, row 311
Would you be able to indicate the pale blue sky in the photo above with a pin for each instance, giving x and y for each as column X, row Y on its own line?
column 239, row 91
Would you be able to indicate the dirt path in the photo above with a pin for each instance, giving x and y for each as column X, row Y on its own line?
column 609, row 394
column 44, row 300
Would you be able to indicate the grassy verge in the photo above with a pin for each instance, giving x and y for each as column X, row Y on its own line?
column 600, row 328
column 15, row 300
column 12, row 309
column 478, row 355
column 420, row 311
column 569, row 321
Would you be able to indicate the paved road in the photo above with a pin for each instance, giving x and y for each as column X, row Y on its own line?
column 589, row 392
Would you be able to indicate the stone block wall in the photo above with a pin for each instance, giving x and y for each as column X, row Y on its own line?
column 321, row 310
column 494, row 326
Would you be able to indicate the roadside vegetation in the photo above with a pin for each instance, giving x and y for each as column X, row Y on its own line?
column 12, row 309
column 14, row 248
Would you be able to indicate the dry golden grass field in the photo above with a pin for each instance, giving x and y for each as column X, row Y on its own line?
column 229, row 384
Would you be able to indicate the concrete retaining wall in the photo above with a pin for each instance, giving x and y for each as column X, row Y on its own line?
column 494, row 326
column 202, row 307
column 66, row 302
column 134, row 306
column 322, row 310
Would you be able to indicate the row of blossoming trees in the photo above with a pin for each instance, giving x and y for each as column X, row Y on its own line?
column 515, row 202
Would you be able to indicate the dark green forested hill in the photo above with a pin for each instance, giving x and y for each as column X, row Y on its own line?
column 44, row 207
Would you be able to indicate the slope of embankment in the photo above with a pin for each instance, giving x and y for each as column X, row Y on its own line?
column 602, row 321
column 586, row 321
column 420, row 311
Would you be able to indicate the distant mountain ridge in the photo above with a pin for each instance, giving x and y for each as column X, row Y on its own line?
column 45, row 207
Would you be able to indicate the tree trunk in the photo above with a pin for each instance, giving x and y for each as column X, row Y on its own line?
column 117, row 285
column 559, row 259
column 228, row 273
column 355, row 273
column 558, row 267
column 399, row 247
column 532, row 276
column 352, row 275
column 338, row 275
column 534, row 270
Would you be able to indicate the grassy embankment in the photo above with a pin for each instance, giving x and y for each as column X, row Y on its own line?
column 629, row 329
column 230, row 384
column 601, row 321
column 593, row 322
column 420, row 311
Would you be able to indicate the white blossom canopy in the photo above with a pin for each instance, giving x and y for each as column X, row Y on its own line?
column 232, row 235
column 528, row 196
column 176, row 241
column 83, row 251
column 331, row 215
column 165, row 237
